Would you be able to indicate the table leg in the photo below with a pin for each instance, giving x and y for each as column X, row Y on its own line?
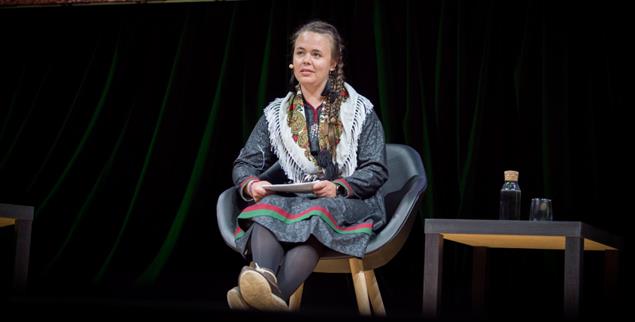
column 432, row 275
column 479, row 279
column 22, row 250
column 611, row 271
column 573, row 265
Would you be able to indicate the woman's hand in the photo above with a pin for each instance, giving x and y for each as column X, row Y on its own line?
column 256, row 191
column 325, row 189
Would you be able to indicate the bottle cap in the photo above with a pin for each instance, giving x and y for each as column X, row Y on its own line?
column 511, row 175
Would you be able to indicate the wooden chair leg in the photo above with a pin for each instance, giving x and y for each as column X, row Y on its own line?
column 374, row 294
column 296, row 299
column 359, row 282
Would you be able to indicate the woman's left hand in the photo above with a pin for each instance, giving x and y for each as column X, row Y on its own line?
column 325, row 189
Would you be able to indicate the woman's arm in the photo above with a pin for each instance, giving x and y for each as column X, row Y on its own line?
column 371, row 172
column 254, row 158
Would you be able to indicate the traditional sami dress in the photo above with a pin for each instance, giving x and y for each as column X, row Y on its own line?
column 344, row 223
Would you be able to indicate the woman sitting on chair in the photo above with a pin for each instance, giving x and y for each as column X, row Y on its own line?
column 322, row 131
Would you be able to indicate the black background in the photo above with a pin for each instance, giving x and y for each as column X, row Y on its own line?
column 476, row 87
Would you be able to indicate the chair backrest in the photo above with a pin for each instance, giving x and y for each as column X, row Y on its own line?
column 403, row 163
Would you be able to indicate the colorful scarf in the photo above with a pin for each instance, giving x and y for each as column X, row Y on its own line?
column 290, row 142
column 300, row 131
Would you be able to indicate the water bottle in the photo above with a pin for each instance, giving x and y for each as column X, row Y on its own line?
column 510, row 197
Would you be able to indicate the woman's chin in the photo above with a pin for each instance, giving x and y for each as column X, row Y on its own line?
column 308, row 82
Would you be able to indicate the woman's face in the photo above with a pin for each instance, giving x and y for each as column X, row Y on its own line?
column 312, row 59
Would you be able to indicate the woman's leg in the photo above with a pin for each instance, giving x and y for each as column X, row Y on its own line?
column 259, row 287
column 265, row 248
column 298, row 264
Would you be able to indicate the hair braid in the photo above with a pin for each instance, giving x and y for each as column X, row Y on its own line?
column 334, row 102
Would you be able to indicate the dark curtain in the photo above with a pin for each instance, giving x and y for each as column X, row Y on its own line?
column 120, row 125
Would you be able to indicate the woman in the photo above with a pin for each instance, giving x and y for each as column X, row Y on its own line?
column 322, row 131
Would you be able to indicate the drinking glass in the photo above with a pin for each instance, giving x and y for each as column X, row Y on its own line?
column 540, row 209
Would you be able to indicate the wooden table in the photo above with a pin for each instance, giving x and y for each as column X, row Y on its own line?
column 22, row 218
column 573, row 237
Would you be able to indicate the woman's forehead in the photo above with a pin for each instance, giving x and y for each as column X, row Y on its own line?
column 312, row 40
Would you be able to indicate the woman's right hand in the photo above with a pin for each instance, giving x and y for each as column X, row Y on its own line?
column 256, row 190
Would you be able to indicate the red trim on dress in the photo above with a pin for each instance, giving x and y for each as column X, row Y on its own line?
column 282, row 212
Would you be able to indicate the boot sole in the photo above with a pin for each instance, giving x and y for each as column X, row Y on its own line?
column 235, row 300
column 256, row 291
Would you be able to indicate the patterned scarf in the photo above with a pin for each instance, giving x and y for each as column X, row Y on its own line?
column 300, row 134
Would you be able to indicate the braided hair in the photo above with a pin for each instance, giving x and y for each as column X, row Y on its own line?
column 335, row 84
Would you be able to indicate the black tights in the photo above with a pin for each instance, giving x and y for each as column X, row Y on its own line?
column 295, row 266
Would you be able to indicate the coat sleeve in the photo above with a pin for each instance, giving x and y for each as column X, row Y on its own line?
column 254, row 158
column 371, row 172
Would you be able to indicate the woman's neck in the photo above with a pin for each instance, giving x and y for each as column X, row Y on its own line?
column 313, row 95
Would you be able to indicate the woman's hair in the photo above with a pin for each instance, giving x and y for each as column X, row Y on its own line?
column 335, row 83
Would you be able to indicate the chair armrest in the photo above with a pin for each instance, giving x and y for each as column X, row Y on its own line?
column 409, row 198
column 227, row 208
